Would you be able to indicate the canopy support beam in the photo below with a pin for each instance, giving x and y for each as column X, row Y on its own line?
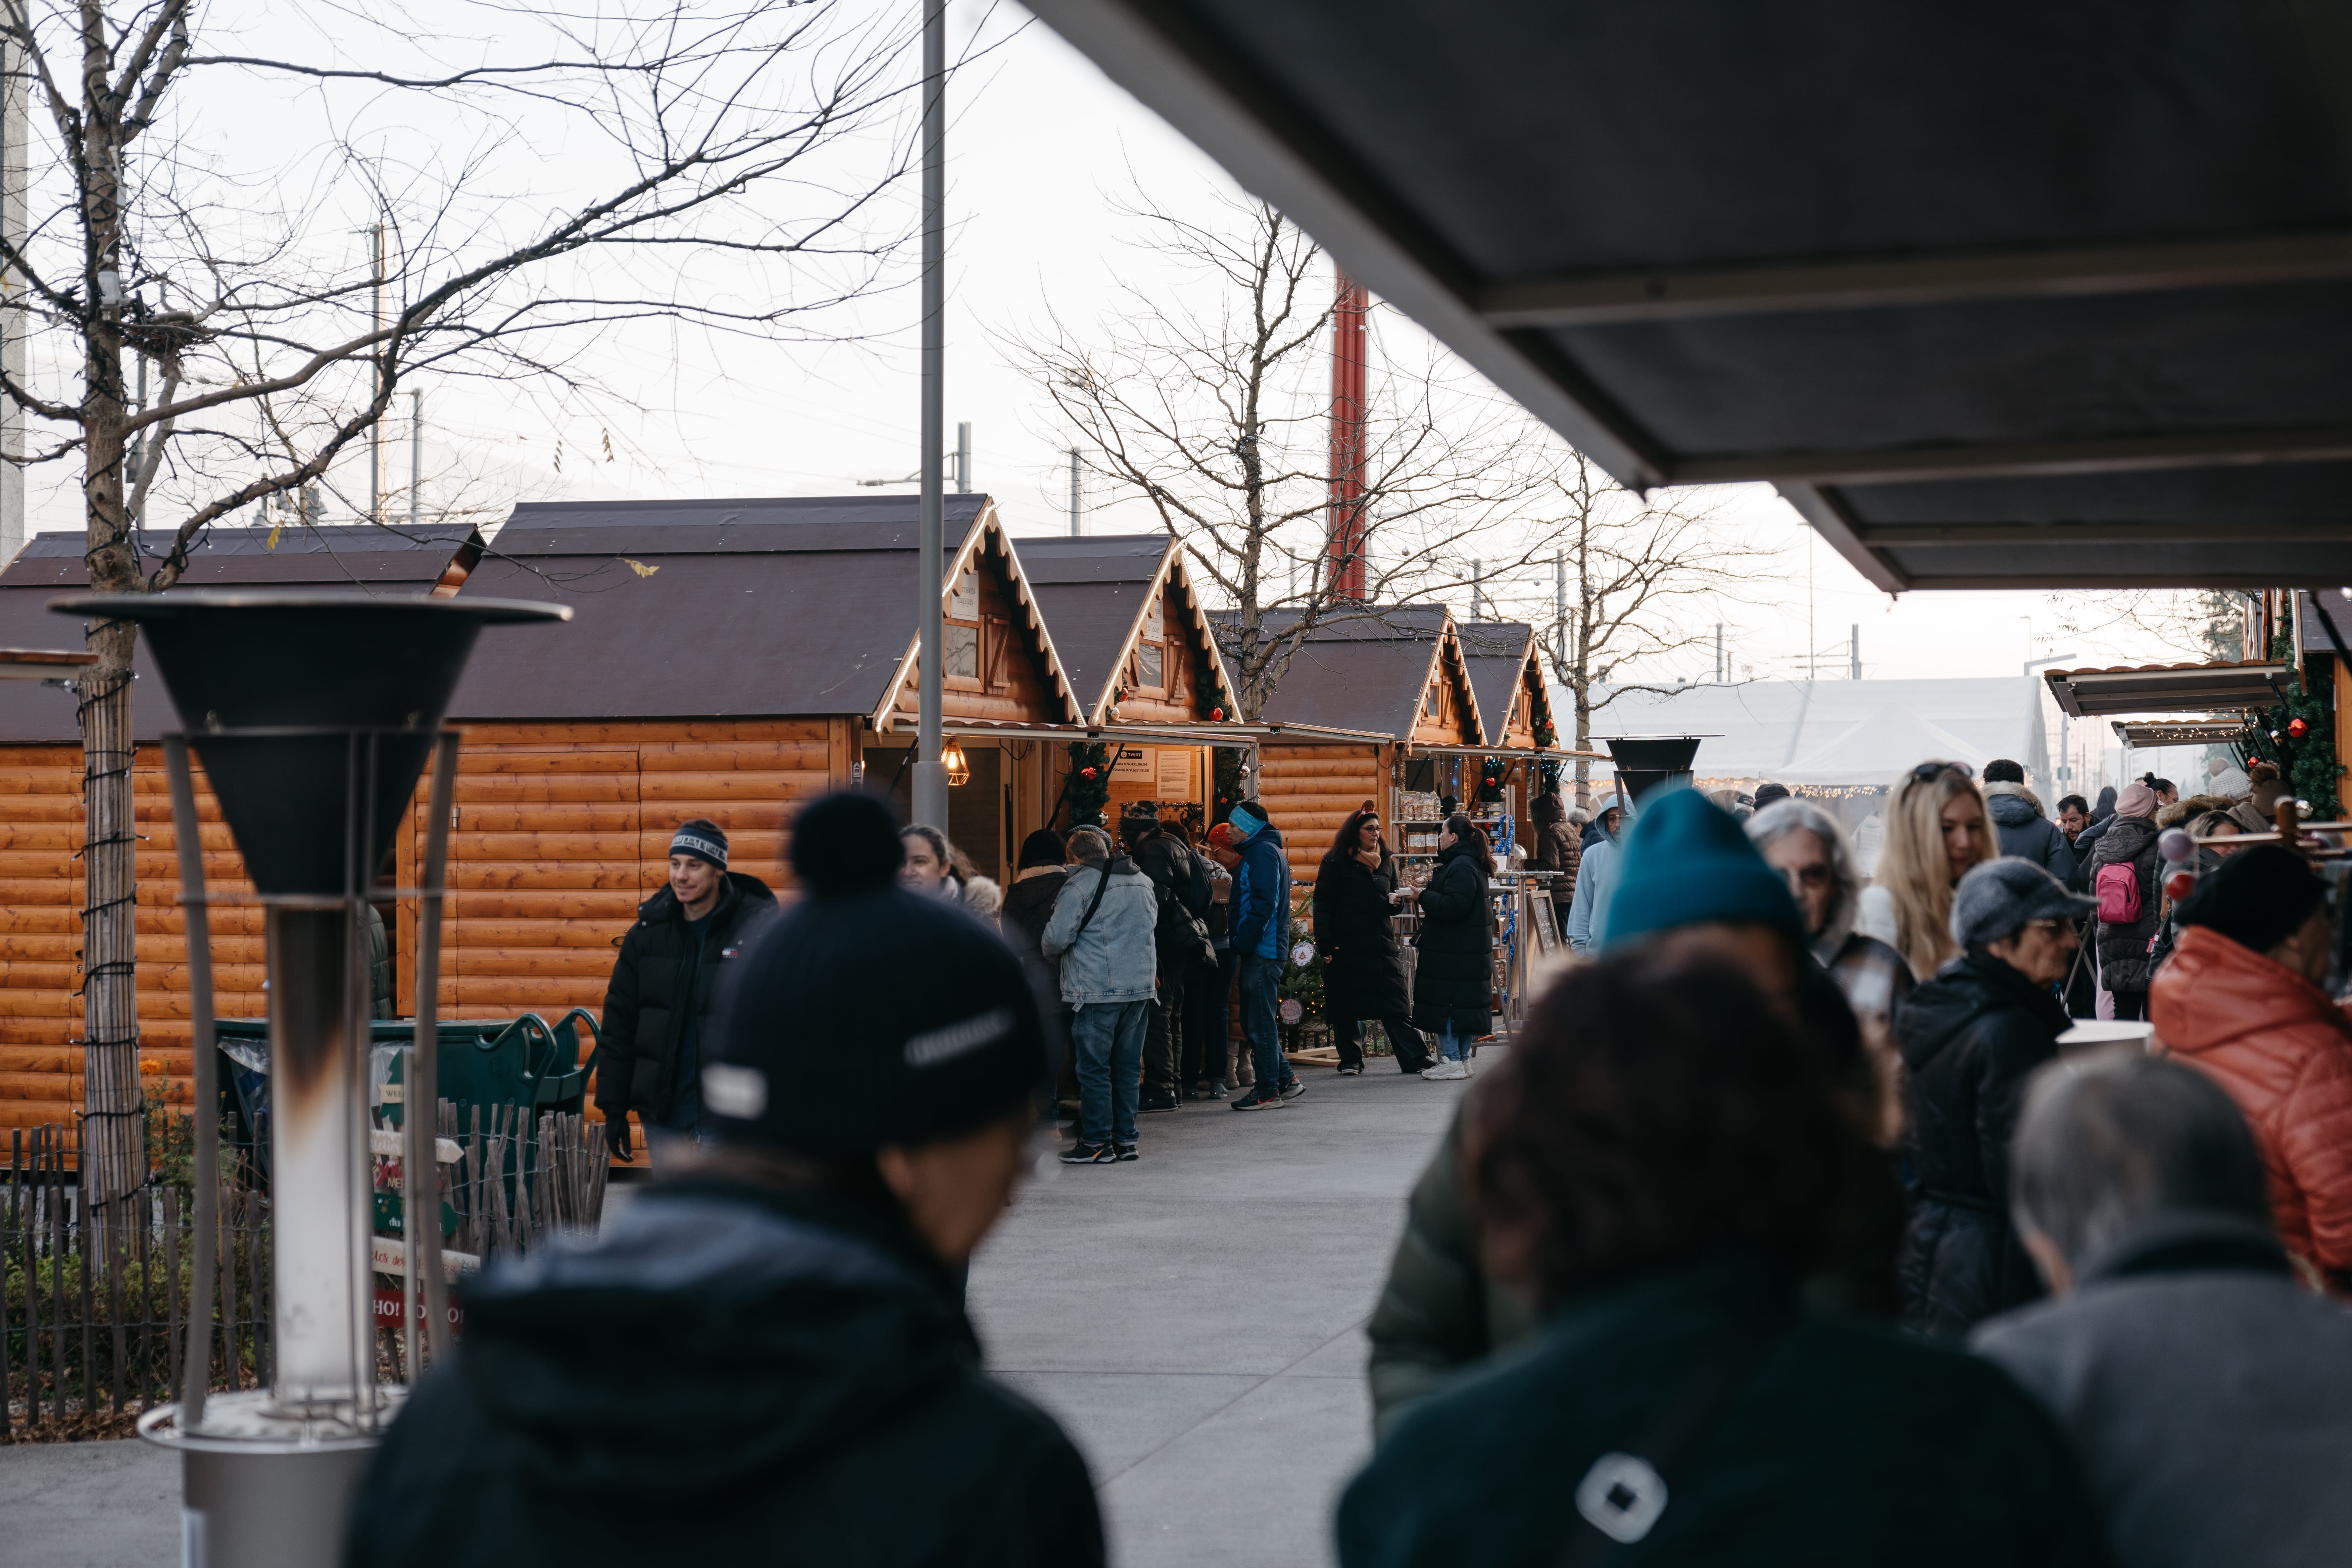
column 1608, row 299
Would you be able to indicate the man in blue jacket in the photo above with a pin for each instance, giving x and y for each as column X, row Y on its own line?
column 1262, row 936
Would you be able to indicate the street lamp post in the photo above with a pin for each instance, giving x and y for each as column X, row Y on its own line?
column 931, row 773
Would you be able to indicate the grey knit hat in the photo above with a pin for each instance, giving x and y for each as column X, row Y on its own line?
column 1999, row 896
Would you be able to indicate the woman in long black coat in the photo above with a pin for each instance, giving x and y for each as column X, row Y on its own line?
column 1363, row 973
column 1454, row 984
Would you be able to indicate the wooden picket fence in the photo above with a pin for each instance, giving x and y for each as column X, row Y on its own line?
column 97, row 1298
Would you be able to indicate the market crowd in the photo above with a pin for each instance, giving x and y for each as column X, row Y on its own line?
column 1783, row 1231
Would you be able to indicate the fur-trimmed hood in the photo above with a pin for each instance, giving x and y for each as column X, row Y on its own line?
column 2013, row 805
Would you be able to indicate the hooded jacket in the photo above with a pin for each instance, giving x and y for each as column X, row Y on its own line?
column 1262, row 897
column 2284, row 1052
column 1969, row 1038
column 656, row 985
column 2191, row 1323
column 1113, row 959
column 2124, row 949
column 728, row 1374
column 2025, row 832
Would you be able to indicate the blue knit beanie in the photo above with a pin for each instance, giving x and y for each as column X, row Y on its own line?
column 1686, row 860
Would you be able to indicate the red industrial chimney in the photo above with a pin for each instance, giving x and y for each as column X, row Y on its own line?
column 1344, row 568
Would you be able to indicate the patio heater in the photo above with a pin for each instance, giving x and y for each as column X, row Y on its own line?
column 314, row 716
column 1645, row 762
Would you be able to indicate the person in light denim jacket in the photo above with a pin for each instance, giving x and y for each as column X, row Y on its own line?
column 1108, row 971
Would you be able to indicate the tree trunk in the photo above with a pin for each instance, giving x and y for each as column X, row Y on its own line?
column 113, row 1160
column 114, row 1155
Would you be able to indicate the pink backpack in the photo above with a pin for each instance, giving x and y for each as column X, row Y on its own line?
column 2119, row 889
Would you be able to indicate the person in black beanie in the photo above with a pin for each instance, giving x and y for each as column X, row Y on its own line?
column 658, row 1007
column 763, row 1358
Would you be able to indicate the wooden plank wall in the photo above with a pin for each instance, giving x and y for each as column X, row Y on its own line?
column 562, row 829
column 1308, row 791
column 40, row 932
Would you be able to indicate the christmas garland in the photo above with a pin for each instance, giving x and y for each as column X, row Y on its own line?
column 1089, row 782
column 2298, row 733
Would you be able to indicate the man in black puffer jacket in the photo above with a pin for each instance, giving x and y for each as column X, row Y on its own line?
column 1969, row 1038
column 658, row 1008
column 764, row 1360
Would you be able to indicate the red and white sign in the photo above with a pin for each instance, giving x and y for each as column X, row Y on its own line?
column 391, row 1311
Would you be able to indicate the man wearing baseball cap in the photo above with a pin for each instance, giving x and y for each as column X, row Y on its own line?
column 765, row 1357
column 657, row 1023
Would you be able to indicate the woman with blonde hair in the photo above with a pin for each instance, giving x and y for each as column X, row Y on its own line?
column 1936, row 831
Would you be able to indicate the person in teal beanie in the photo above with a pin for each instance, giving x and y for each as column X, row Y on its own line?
column 1686, row 860
column 1689, row 882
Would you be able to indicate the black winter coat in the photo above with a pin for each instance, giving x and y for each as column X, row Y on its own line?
column 650, row 997
column 1970, row 1037
column 1455, row 978
column 1363, row 973
column 1839, row 1448
column 728, row 1374
column 1177, row 872
column 1028, row 905
column 2122, row 949
column 1557, row 849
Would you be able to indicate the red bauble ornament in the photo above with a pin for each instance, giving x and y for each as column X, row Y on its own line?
column 2297, row 728
column 1085, row 773
column 1216, row 715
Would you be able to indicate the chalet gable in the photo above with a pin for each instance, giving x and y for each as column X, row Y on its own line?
column 1125, row 616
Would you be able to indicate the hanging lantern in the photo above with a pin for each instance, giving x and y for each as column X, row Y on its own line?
column 958, row 766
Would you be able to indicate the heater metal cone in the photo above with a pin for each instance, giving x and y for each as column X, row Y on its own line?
column 313, row 713
column 1645, row 762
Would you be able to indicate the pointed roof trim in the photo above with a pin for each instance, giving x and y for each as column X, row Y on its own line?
column 985, row 525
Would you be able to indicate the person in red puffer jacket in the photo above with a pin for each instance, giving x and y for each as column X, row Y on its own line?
column 2241, row 999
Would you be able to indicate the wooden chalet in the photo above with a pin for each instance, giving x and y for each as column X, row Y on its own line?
column 41, row 830
column 725, row 659
column 1506, row 671
column 1141, row 656
column 1360, row 693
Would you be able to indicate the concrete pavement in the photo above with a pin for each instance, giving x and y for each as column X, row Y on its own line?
column 1195, row 1319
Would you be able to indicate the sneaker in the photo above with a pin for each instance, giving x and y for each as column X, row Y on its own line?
column 1351, row 1072
column 1089, row 1154
column 1209, row 1091
column 1293, row 1087
column 1254, row 1101
column 1444, row 1070
column 1124, row 1152
column 1156, row 1099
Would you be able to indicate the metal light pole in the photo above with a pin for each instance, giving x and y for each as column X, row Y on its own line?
column 930, row 781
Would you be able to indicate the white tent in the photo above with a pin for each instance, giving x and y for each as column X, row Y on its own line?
column 1840, row 734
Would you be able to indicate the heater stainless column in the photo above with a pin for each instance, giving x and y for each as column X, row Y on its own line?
column 313, row 716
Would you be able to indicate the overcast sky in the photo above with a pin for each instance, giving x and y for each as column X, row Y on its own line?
column 1042, row 150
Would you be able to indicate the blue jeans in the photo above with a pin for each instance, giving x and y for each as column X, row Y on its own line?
column 1450, row 1045
column 1259, row 978
column 1107, row 1038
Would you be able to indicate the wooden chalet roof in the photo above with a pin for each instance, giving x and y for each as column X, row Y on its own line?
column 1371, row 670
column 1093, row 591
column 1507, row 672
column 778, row 607
column 358, row 558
